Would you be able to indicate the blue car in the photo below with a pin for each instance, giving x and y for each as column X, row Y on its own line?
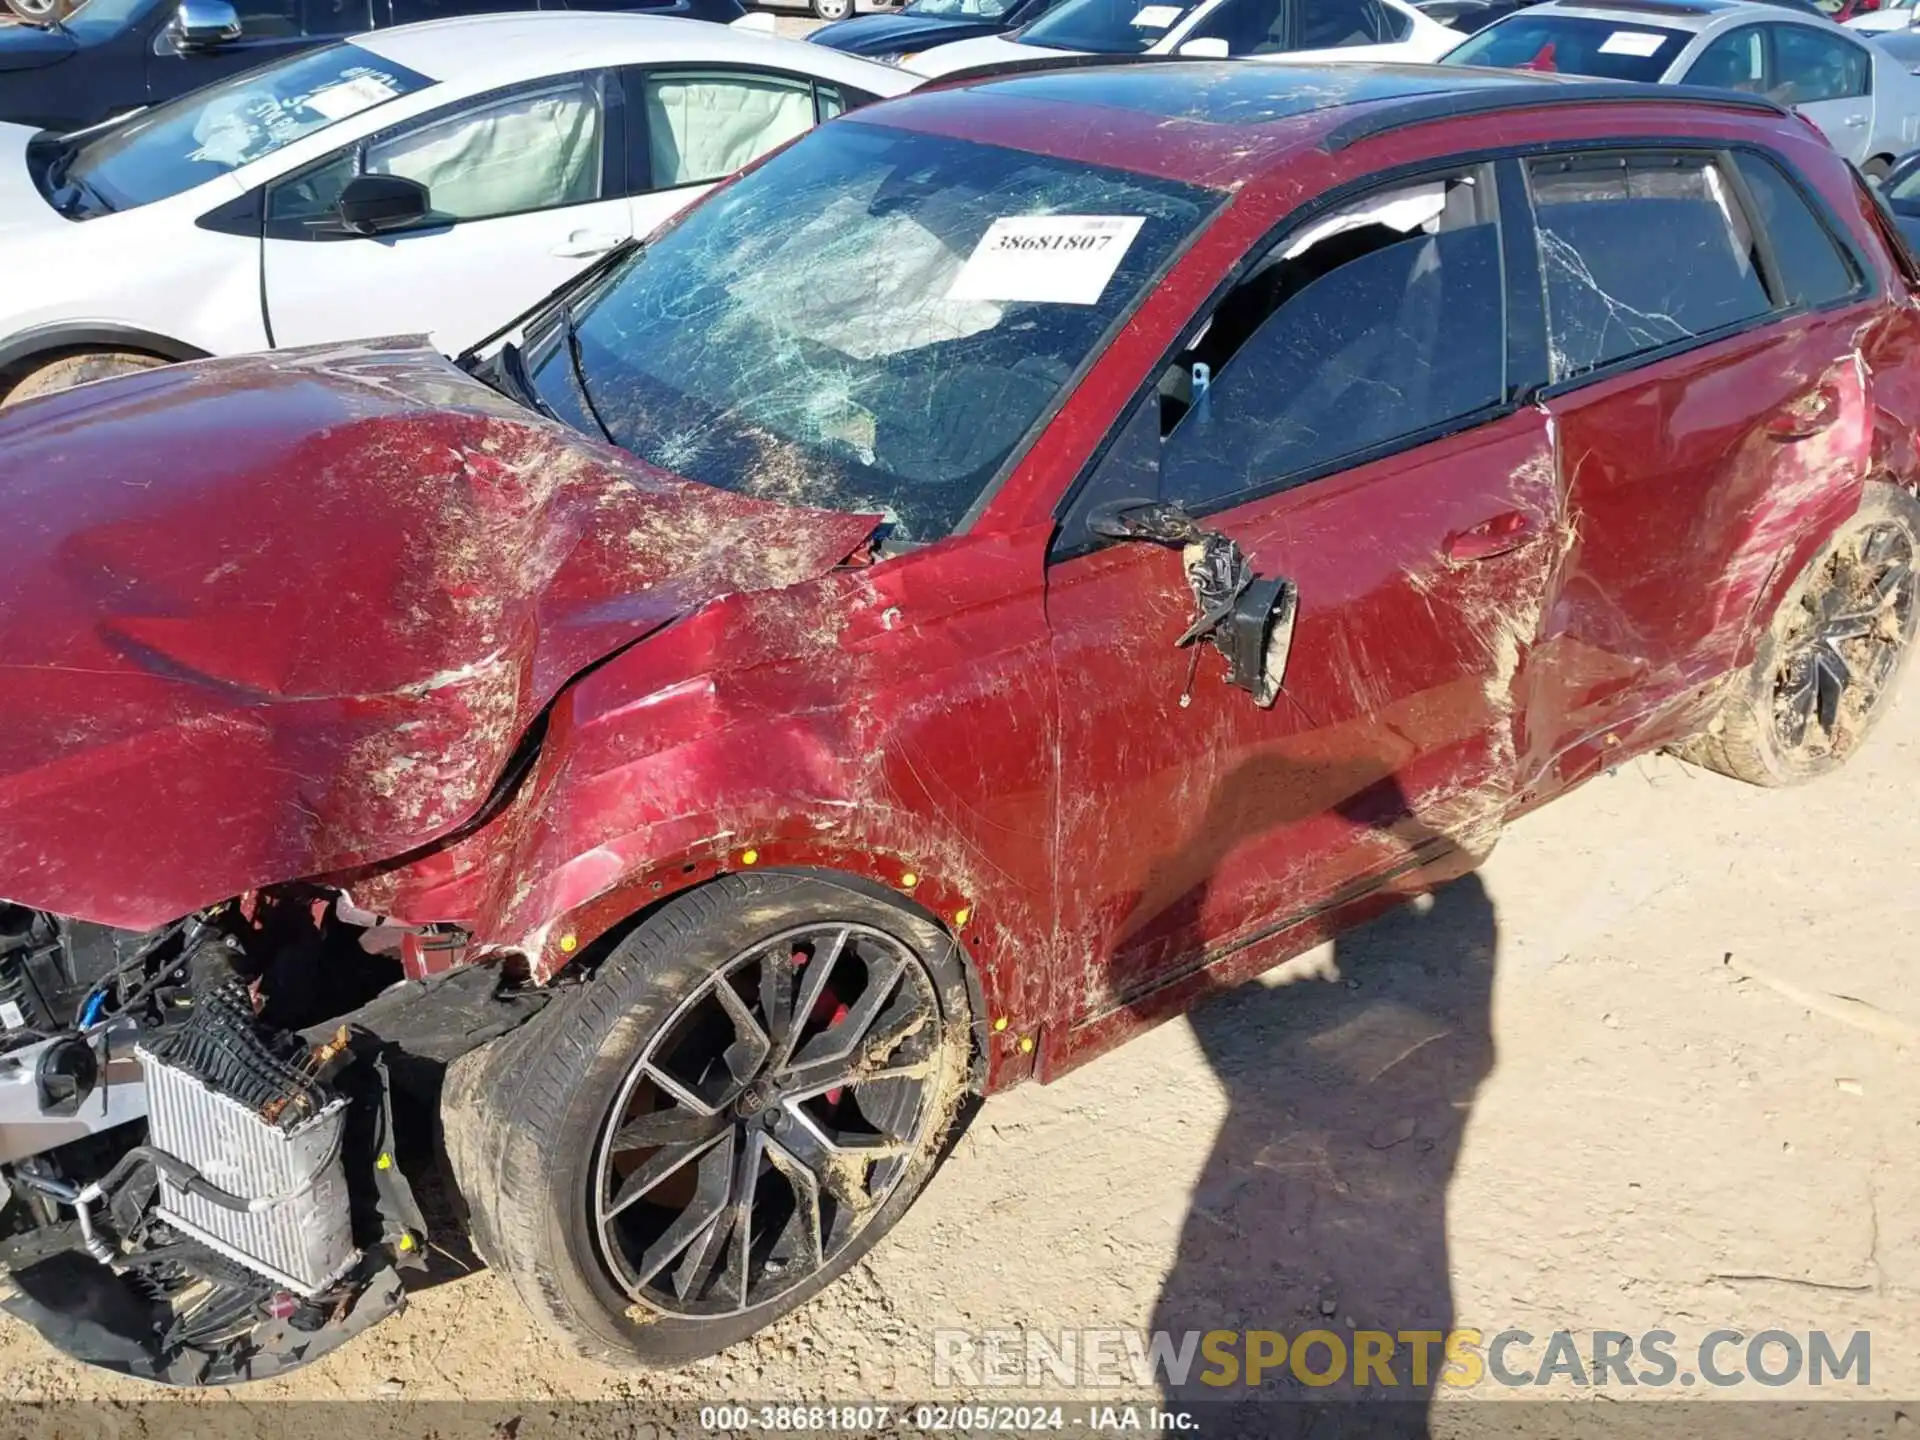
column 923, row 24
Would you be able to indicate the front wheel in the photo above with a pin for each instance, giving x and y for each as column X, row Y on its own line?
column 747, row 1095
column 830, row 9
column 1827, row 667
column 79, row 369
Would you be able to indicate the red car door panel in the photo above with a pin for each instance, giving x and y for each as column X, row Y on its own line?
column 1687, row 477
column 1192, row 819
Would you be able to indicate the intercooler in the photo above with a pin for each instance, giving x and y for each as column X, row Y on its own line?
column 297, row 1231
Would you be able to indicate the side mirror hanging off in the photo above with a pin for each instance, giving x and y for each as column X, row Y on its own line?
column 1248, row 618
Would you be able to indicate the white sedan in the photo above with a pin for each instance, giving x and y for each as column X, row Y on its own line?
column 1257, row 29
column 436, row 178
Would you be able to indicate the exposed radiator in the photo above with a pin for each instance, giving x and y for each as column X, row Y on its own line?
column 304, row 1239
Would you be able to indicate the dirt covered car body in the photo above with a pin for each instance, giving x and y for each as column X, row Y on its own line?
column 1009, row 670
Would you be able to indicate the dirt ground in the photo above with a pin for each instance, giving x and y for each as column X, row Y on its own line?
column 1610, row 1126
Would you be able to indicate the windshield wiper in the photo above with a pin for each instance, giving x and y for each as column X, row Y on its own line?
column 580, row 371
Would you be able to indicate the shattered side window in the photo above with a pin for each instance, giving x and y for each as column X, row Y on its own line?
column 871, row 321
column 1639, row 252
column 1383, row 319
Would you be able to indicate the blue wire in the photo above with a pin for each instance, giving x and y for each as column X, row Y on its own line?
column 95, row 1005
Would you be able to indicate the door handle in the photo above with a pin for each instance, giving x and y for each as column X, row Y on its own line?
column 1854, row 122
column 1504, row 532
column 585, row 245
column 1806, row 416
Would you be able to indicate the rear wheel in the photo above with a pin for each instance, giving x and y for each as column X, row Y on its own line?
column 748, row 1094
column 831, row 9
column 1827, row 667
column 40, row 11
column 71, row 370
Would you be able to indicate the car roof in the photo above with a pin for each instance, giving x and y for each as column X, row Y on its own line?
column 1221, row 123
column 1689, row 15
column 473, row 51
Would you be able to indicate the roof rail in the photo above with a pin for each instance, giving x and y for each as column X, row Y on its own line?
column 1389, row 115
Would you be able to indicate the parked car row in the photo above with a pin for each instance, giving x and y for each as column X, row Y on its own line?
column 434, row 179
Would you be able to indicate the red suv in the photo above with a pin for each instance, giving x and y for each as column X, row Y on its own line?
column 1020, row 559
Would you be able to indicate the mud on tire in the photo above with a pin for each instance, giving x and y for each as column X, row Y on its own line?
column 599, row 1136
column 71, row 370
column 1830, row 663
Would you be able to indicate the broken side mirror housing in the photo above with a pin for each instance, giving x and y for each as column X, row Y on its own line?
column 372, row 203
column 1140, row 517
column 1249, row 618
column 1257, row 637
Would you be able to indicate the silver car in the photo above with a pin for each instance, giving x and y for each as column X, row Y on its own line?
column 1862, row 99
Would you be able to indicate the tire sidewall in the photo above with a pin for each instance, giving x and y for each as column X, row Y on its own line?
column 1879, row 504
column 635, row 991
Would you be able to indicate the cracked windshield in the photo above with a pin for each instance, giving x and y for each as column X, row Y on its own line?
column 882, row 345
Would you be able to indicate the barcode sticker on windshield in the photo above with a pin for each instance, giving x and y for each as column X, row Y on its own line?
column 350, row 97
column 1051, row 259
column 1156, row 17
column 1632, row 42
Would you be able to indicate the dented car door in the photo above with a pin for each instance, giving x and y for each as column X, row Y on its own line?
column 1343, row 415
column 1693, row 424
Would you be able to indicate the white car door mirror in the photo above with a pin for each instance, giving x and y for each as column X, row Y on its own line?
column 371, row 204
column 203, row 24
column 1207, row 48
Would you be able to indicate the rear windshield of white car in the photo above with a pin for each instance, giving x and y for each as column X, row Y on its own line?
column 1106, row 27
column 173, row 147
column 1573, row 45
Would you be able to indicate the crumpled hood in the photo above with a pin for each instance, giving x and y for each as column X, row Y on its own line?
column 30, row 47
column 283, row 615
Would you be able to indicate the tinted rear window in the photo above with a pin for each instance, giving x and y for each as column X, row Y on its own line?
column 1571, row 45
column 1812, row 266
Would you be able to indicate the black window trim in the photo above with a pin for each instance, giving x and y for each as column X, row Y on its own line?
column 638, row 177
column 1721, row 154
column 1528, row 378
column 612, row 158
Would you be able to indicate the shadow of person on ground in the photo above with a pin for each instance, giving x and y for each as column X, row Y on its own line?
column 1323, row 1204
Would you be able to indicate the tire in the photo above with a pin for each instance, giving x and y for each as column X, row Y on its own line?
column 71, row 370
column 624, row 1249
column 1830, row 661
column 830, row 9
column 40, row 11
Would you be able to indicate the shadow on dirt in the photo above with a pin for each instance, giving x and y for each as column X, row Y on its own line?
column 1323, row 1204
